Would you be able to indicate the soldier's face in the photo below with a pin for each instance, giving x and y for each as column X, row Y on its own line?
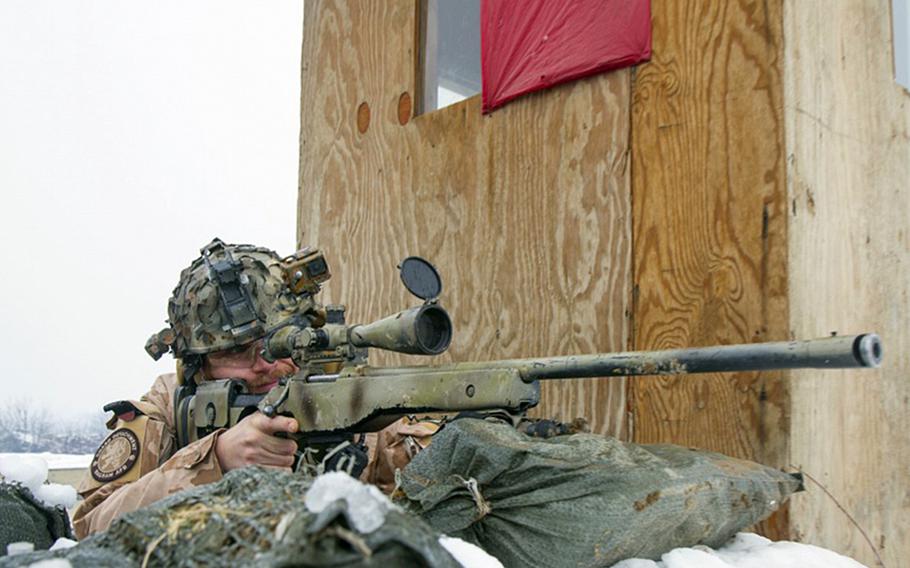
column 246, row 363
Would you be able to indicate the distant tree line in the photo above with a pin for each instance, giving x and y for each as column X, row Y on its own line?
column 30, row 428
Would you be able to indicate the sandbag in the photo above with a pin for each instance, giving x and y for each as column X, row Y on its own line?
column 24, row 518
column 582, row 500
column 255, row 517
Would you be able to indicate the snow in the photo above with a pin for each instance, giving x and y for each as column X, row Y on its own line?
column 57, row 495
column 14, row 548
column 51, row 563
column 55, row 461
column 366, row 504
column 31, row 471
column 467, row 554
column 747, row 550
column 62, row 543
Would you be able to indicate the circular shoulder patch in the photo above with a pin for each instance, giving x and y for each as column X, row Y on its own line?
column 117, row 454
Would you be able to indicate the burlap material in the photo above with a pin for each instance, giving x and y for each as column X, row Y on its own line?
column 583, row 500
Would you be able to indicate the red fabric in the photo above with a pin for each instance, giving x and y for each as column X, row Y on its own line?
column 528, row 45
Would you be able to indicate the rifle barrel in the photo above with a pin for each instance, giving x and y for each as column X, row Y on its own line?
column 839, row 352
column 827, row 353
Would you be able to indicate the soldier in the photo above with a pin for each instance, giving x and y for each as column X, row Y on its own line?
column 224, row 303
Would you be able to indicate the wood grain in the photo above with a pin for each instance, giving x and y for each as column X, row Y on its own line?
column 525, row 212
column 848, row 146
column 709, row 223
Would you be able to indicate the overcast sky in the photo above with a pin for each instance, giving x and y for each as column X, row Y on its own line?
column 131, row 134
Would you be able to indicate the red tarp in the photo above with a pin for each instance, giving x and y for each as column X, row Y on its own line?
column 528, row 45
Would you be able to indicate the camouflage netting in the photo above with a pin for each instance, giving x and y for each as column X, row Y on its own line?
column 583, row 500
column 24, row 518
column 252, row 517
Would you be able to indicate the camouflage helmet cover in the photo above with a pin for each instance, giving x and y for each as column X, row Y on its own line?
column 230, row 295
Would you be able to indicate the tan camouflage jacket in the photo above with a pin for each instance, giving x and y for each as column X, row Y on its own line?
column 137, row 465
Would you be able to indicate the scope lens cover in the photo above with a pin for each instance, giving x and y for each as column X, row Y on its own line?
column 420, row 278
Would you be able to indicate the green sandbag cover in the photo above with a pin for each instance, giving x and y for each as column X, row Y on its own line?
column 583, row 500
column 23, row 518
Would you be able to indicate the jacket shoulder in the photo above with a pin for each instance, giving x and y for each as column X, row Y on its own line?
column 158, row 402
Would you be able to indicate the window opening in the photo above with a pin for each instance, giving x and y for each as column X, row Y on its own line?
column 449, row 52
column 900, row 20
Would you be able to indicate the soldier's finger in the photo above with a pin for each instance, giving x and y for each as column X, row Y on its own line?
column 258, row 421
column 278, row 424
column 279, row 446
column 276, row 460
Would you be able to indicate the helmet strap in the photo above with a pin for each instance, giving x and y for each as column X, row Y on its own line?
column 189, row 370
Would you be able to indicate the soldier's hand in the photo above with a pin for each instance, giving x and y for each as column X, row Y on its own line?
column 253, row 441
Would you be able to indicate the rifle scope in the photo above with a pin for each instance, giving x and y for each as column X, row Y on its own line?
column 422, row 330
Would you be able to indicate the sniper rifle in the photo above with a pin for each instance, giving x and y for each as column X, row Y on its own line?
column 336, row 394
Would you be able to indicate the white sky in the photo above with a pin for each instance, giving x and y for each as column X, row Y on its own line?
column 131, row 134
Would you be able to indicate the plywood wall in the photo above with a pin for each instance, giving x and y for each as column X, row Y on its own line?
column 750, row 183
column 526, row 213
column 709, row 221
column 848, row 155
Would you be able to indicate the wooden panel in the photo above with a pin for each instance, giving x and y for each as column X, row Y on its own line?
column 709, row 223
column 848, row 145
column 525, row 212
column 356, row 56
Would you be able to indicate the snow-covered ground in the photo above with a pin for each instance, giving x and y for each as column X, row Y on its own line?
column 54, row 461
column 371, row 506
column 31, row 471
column 748, row 550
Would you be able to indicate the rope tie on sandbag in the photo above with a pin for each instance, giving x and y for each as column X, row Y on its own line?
column 483, row 506
column 345, row 464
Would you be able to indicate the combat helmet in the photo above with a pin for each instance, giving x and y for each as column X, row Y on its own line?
column 229, row 296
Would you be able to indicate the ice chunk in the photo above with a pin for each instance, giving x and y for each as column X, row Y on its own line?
column 30, row 471
column 54, row 495
column 467, row 554
column 14, row 548
column 62, row 543
column 366, row 505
